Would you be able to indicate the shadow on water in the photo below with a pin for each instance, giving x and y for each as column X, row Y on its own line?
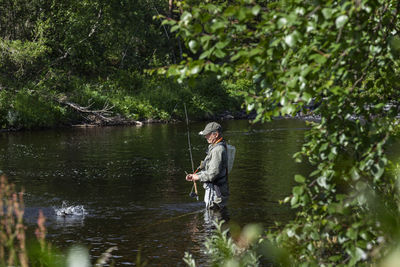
column 125, row 186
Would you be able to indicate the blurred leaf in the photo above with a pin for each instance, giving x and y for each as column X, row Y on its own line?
column 299, row 178
column 341, row 21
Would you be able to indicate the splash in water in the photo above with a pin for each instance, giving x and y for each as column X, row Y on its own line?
column 69, row 210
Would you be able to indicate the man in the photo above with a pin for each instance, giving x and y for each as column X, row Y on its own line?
column 214, row 169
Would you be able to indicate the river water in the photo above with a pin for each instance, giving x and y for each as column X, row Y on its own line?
column 125, row 186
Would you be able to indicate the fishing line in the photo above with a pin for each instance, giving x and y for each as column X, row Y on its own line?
column 151, row 226
column 176, row 217
column 190, row 147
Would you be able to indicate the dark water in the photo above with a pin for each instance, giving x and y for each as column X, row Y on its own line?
column 130, row 182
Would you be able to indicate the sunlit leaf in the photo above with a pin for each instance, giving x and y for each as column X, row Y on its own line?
column 341, row 21
column 193, row 45
column 299, row 178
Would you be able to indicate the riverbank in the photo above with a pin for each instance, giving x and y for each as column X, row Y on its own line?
column 123, row 121
column 141, row 99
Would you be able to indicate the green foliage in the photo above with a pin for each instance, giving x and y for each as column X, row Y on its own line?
column 102, row 36
column 162, row 98
column 20, row 56
column 209, row 96
column 93, row 54
column 31, row 110
column 131, row 95
column 223, row 251
column 4, row 108
column 340, row 58
column 44, row 257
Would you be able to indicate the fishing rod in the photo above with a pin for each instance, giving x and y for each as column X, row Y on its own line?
column 195, row 194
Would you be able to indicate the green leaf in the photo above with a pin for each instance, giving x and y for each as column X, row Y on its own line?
column 186, row 17
column 217, row 25
column 394, row 43
column 294, row 200
column 193, row 45
column 320, row 59
column 255, row 10
column 298, row 190
column 255, row 51
column 205, row 54
column 354, row 174
column 290, row 40
column 335, row 258
column 351, row 233
column 377, row 171
column 241, row 15
column 322, row 181
column 219, row 53
column 175, row 28
column 341, row 21
column 314, row 173
column 327, row 12
column 299, row 178
column 282, row 22
column 315, row 236
column 306, row 97
column 197, row 28
column 195, row 69
column 288, row 109
column 230, row 11
column 236, row 56
column 173, row 71
column 323, row 147
column 205, row 40
column 221, row 45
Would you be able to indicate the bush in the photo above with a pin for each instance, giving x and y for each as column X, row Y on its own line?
column 4, row 108
column 129, row 94
column 224, row 251
column 31, row 110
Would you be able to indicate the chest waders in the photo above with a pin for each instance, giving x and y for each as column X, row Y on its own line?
column 213, row 197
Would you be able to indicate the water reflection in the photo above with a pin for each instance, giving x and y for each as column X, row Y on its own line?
column 130, row 182
column 213, row 216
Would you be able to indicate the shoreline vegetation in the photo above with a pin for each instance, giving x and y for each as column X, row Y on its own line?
column 108, row 103
column 123, row 121
column 100, row 118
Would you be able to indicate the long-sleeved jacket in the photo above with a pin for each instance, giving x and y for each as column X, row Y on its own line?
column 214, row 175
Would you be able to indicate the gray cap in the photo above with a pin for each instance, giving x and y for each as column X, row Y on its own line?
column 211, row 127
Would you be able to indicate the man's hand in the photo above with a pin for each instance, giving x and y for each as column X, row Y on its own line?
column 192, row 177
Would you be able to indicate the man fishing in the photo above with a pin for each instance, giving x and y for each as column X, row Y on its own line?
column 213, row 172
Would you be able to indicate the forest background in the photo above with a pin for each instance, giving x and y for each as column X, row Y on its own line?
column 73, row 62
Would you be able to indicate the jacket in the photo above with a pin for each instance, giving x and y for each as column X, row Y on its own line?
column 214, row 176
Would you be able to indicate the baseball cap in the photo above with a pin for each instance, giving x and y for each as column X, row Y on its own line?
column 211, row 127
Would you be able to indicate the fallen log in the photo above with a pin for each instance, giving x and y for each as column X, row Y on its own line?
column 98, row 117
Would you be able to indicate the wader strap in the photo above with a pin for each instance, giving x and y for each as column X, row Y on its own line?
column 217, row 191
column 216, row 181
column 226, row 148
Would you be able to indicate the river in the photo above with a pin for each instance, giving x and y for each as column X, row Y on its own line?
column 128, row 189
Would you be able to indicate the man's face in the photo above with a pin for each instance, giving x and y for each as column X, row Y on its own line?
column 211, row 137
